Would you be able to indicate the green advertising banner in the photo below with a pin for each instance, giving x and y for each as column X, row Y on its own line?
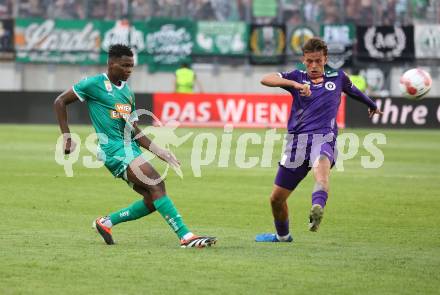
column 340, row 39
column 169, row 43
column 298, row 36
column 264, row 8
column 163, row 44
column 267, row 44
column 221, row 38
column 122, row 32
column 57, row 41
column 343, row 34
column 76, row 41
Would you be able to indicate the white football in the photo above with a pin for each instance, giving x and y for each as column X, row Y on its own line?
column 415, row 83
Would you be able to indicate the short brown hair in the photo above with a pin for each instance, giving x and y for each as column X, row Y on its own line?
column 315, row 45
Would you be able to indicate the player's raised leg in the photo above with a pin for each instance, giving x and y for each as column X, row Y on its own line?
column 136, row 210
column 141, row 173
column 321, row 173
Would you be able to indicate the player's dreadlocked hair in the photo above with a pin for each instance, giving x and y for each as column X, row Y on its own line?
column 315, row 45
column 119, row 50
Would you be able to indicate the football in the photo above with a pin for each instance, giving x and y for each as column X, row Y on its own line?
column 415, row 83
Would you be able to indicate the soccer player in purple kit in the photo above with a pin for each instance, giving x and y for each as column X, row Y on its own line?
column 312, row 131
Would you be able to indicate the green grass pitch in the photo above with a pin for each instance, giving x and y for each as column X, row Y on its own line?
column 380, row 233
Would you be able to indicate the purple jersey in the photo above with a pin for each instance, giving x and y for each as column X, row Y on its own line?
column 316, row 114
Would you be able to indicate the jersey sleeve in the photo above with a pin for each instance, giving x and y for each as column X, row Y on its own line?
column 352, row 91
column 292, row 75
column 82, row 89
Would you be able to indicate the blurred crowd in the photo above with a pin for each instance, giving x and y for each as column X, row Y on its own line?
column 366, row 12
column 362, row 12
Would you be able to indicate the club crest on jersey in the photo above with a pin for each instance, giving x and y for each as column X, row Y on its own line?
column 330, row 86
column 108, row 85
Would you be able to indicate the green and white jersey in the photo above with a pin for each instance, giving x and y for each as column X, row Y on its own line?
column 109, row 107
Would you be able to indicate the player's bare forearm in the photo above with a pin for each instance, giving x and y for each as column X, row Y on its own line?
column 141, row 138
column 60, row 107
column 146, row 143
column 274, row 80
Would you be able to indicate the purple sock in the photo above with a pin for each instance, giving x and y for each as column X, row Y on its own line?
column 320, row 198
column 282, row 227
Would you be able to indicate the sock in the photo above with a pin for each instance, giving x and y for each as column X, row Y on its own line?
column 166, row 208
column 188, row 236
column 283, row 238
column 132, row 212
column 106, row 221
column 320, row 198
column 282, row 228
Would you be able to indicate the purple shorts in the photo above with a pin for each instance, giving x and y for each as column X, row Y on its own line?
column 302, row 151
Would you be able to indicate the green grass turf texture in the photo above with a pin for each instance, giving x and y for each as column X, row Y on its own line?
column 380, row 233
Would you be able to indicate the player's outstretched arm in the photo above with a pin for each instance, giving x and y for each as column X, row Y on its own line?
column 60, row 107
column 275, row 80
column 146, row 143
column 351, row 90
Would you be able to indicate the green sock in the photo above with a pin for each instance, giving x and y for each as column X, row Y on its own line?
column 132, row 212
column 166, row 208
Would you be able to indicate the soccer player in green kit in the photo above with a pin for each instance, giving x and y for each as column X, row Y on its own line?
column 110, row 102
